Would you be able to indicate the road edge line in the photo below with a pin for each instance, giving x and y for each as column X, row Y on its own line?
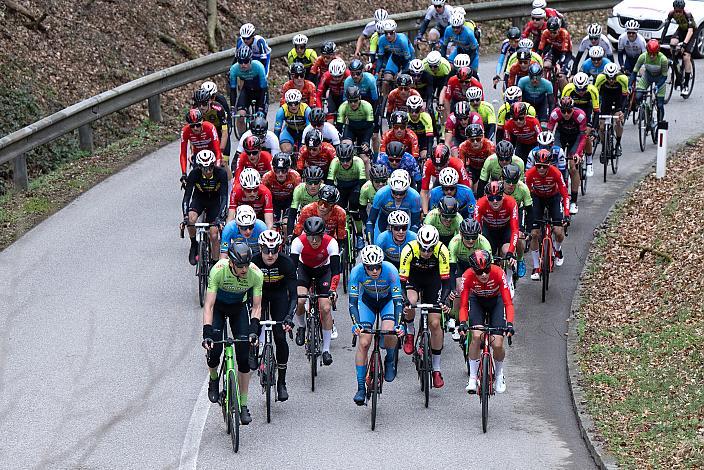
column 194, row 432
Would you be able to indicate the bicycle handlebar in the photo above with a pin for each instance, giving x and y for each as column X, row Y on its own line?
column 183, row 226
column 374, row 331
column 430, row 308
column 316, row 296
column 492, row 330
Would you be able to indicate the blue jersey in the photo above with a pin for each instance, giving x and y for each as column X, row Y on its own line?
column 535, row 94
column 231, row 234
column 392, row 250
column 401, row 49
column 366, row 85
column 465, row 42
column 407, row 163
column 384, row 204
column 592, row 70
column 260, row 51
column 464, row 195
column 377, row 294
column 254, row 78
column 558, row 157
column 506, row 51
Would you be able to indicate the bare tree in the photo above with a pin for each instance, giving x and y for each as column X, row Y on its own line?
column 212, row 25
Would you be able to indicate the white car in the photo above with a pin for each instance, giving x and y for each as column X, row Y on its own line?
column 651, row 14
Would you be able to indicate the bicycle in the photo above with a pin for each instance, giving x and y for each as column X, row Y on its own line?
column 647, row 119
column 608, row 149
column 375, row 368
column 267, row 364
column 546, row 254
column 203, row 264
column 676, row 74
column 314, row 332
column 279, row 227
column 504, row 263
column 350, row 251
column 248, row 118
column 485, row 374
column 421, row 350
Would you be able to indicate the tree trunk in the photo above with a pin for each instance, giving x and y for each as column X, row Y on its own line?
column 212, row 25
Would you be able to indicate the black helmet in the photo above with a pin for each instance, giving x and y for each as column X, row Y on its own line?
column 201, row 96
column 399, row 117
column 679, row 4
column 259, row 126
column 345, row 151
column 523, row 54
column 314, row 138
column 535, row 70
column 298, row 68
column 317, row 116
column 244, row 55
column 474, row 130
column 470, row 228
column 404, row 80
column 513, row 33
column 313, row 173
column 511, row 173
column 281, row 161
column 328, row 48
column 379, row 172
column 352, row 93
column 553, row 23
column 329, row 193
column 240, row 253
column 395, row 149
column 356, row 65
column 314, row 226
column 448, row 206
column 504, row 149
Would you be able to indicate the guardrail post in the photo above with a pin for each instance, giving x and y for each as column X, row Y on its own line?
column 517, row 21
column 85, row 138
column 19, row 174
column 661, row 160
column 155, row 108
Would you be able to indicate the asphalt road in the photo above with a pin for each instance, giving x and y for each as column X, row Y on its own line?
column 102, row 365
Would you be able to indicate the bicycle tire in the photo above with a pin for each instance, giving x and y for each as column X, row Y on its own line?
column 545, row 268
column 615, row 157
column 345, row 268
column 485, row 389
column 224, row 404
column 691, row 82
column 634, row 112
column 376, row 364
column 607, row 149
column 654, row 125
column 269, row 374
column 583, row 178
column 642, row 127
column 313, row 356
column 427, row 370
column 670, row 82
column 234, row 413
column 203, row 261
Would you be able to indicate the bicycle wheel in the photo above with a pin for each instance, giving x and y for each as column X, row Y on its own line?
column 607, row 150
column 691, row 82
column 376, row 367
column 614, row 156
column 234, row 413
column 670, row 82
column 345, row 267
column 269, row 371
column 634, row 109
column 203, row 261
column 427, row 369
column 545, row 267
column 485, row 389
column 642, row 127
column 312, row 339
column 654, row 118
column 583, row 178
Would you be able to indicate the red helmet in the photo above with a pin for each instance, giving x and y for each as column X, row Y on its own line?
column 566, row 103
column 543, row 157
column 518, row 109
column 464, row 74
column 252, row 143
column 653, row 46
column 494, row 188
column 480, row 260
column 194, row 116
column 441, row 155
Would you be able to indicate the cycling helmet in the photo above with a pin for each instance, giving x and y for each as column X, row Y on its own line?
column 678, row 4
column 581, row 81
column 345, row 152
column 404, row 79
column 464, row 74
column 543, row 157
column 632, row 26
column 416, row 67
column 513, row 94
column 247, row 31
column 353, row 94
column 433, row 58
column 448, row 177
column 519, row 109
column 270, row 239
column 525, row 43
column 653, row 46
column 480, row 260
column 395, row 149
column 553, row 23
column 474, row 93
column 281, row 161
column 356, row 65
column 546, row 138
column 372, row 255
column 461, row 109
column 398, row 118
column 329, row 193
column 297, row 68
column 210, row 87
column 461, row 60
column 337, row 67
column 441, row 155
column 399, row 180
column 474, row 130
column 611, row 70
column 200, row 96
column 414, row 102
column 328, row 48
column 194, row 116
column 457, row 19
column 566, row 103
column 596, row 52
column 314, row 138
column 388, row 25
column 537, row 13
column 504, row 149
column 398, row 218
column 428, row 237
column 379, row 27
column 380, row 15
column 379, row 172
column 314, row 226
column 438, row 3
column 470, row 228
column 539, row 4
column 511, row 173
column 448, row 206
column 205, row 158
column 317, row 117
column 513, row 33
column 250, row 178
column 300, row 40
column 535, row 70
column 293, row 96
column 594, row 31
column 240, row 254
column 313, row 173
column 251, row 143
column 259, row 126
column 494, row 188
column 245, row 215
column 523, row 54
column 244, row 55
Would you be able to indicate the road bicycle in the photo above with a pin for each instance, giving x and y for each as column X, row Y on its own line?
column 350, row 251
column 504, row 262
column 203, row 264
column 609, row 155
column 546, row 253
column 314, row 332
column 375, row 367
column 268, row 366
column 421, row 350
column 246, row 120
column 648, row 117
column 675, row 75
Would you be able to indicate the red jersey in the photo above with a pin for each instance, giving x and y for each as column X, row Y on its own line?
column 429, row 170
column 318, row 257
column 206, row 139
column 410, row 140
column 548, row 185
column 327, row 154
column 335, row 222
column 319, row 67
column 335, row 85
column 575, row 127
column 395, row 102
column 527, row 134
column 561, row 42
column 308, row 91
column 459, row 132
column 515, row 73
column 281, row 191
column 261, row 202
column 474, row 158
column 262, row 166
column 457, row 91
column 494, row 286
column 506, row 215
column 534, row 32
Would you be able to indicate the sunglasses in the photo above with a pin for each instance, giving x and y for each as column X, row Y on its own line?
column 480, row 272
column 394, row 159
column 399, row 127
column 314, row 182
column 389, row 33
column 449, row 188
column 269, row 251
column 240, row 266
column 373, row 267
column 435, row 66
column 379, row 181
column 207, row 169
column 447, row 216
column 195, row 126
column 299, row 75
column 476, row 140
column 325, row 204
column 253, row 152
column 398, row 193
column 251, row 191
column 427, row 250
column 511, row 182
column 475, row 100
column 355, row 74
column 470, row 239
column 314, row 238
column 536, row 19
column 246, row 227
column 494, row 198
column 542, row 166
column 294, row 103
column 399, row 228
column 353, row 101
column 281, row 171
column 524, row 62
column 404, row 88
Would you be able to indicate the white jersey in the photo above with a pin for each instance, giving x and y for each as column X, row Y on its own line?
column 441, row 19
column 369, row 29
column 329, row 131
column 633, row 49
column 271, row 142
column 603, row 42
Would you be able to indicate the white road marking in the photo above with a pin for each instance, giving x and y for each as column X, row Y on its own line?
column 194, row 433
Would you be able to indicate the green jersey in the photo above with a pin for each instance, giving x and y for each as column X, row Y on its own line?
column 366, row 194
column 492, row 169
column 433, row 218
column 301, row 197
column 521, row 194
column 486, row 111
column 338, row 173
column 459, row 253
column 365, row 112
column 231, row 289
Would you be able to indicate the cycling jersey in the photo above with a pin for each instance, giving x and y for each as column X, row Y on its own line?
column 261, row 51
column 423, row 127
column 253, row 79
column 537, row 94
column 474, row 158
column 486, row 111
column 593, row 70
column 301, row 197
column 441, row 71
column 409, row 140
column 278, row 289
column 323, row 159
column 321, row 64
column 495, row 286
column 492, row 168
column 575, row 127
column 526, row 133
column 396, row 102
column 384, row 204
column 459, row 129
column 308, row 91
column 457, row 91
column 315, row 257
column 506, row 216
column 412, row 260
column 399, row 52
column 366, row 84
column 392, row 250
column 335, row 221
column 218, row 117
column 407, row 163
column 459, row 253
column 213, row 190
column 465, row 43
column 446, row 232
column 261, row 201
column 271, row 142
column 307, row 59
column 534, row 57
column 262, row 165
column 505, row 113
column 381, row 295
column 534, row 32
column 504, row 53
column 604, row 42
column 369, row 29
column 329, row 131
column 560, row 42
column 366, row 194
column 441, row 19
column 281, row 191
column 335, row 86
column 547, row 186
column 231, row 289
column 614, row 96
column 206, row 139
column 364, row 113
column 338, row 174
column 431, row 171
column 294, row 122
column 587, row 101
column 521, row 194
column 655, row 66
column 463, row 194
column 516, row 72
column 231, row 234
column 559, row 159
column 683, row 19
column 629, row 51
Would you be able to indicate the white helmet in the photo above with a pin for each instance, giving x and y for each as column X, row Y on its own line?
column 611, row 70
column 525, row 43
column 513, row 93
column 300, row 40
column 474, row 93
column 379, row 26
column 539, row 4
column 372, row 254
column 457, row 18
column 438, row 3
column 546, row 138
column 414, row 101
column 337, row 67
column 428, row 237
column 398, row 218
column 596, row 52
column 245, row 215
column 448, row 176
column 210, row 87
column 461, row 10
column 293, row 96
column 632, row 25
column 399, row 180
column 461, row 60
column 594, row 29
column 580, row 80
column 205, row 158
column 415, row 66
column 388, row 25
column 250, row 178
column 433, row 57
column 269, row 238
column 247, row 30
column 380, row 15
column 537, row 13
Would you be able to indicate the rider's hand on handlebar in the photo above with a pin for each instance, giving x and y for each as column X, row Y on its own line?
column 183, row 179
column 356, row 329
column 463, row 329
column 400, row 331
column 511, row 331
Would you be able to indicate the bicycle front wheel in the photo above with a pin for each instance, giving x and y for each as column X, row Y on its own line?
column 614, row 159
column 642, row 127
column 654, row 119
column 691, row 82
column 582, row 178
column 234, row 412
column 607, row 150
column 269, row 374
column 427, row 369
column 376, row 368
column 670, row 83
column 485, row 385
column 545, row 268
column 203, row 260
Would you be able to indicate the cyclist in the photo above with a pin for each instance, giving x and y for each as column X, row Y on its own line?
column 328, row 209
column 593, row 38
column 569, row 125
column 322, row 64
column 279, row 294
column 393, row 54
column 244, row 228
column 302, row 55
column 449, row 185
column 440, row 159
column 316, row 152
column 332, row 86
column 684, row 37
column 497, row 213
column 421, row 124
column 546, row 140
column 522, row 130
column 396, row 157
column 463, row 38
column 298, row 81
column 251, row 192
column 463, row 244
column 378, row 175
column 534, row 28
column 457, row 124
column 260, row 127
column 631, row 44
column 425, row 271
column 538, row 92
column 549, row 12
column 439, row 69
column 216, row 97
column 512, row 95
column 556, row 48
column 486, row 295
column 399, row 132
column 253, row 157
column 445, row 218
column 369, row 29
column 438, row 13
column 397, row 97
column 484, row 109
column 355, row 118
column 613, row 93
column 527, row 45
column 548, row 191
column 517, row 189
column 261, row 51
column 456, row 89
column 596, row 62
column 519, row 68
column 395, row 237
column 366, row 83
column 291, row 120
column 316, row 255
column 201, row 136
column 423, row 83
column 229, row 284
column 205, row 191
column 586, row 98
column 397, row 195
column 306, row 192
column 282, row 182
column 494, row 164
column 508, row 47
column 347, row 174
column 215, row 114
column 656, row 67
column 377, row 283
column 254, row 86
column 474, row 151
column 317, row 121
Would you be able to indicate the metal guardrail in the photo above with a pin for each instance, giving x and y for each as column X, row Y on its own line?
column 80, row 115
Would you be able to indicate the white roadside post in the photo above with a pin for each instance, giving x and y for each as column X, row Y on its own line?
column 661, row 160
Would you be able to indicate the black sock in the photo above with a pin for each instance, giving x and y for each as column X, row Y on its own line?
column 687, row 76
column 193, row 242
column 282, row 374
column 573, row 197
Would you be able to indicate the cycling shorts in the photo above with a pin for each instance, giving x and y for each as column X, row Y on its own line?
column 395, row 64
column 426, row 283
column 369, row 309
column 239, row 326
column 211, row 206
column 247, row 95
column 487, row 308
column 497, row 237
column 290, row 136
column 568, row 142
column 322, row 276
column 553, row 205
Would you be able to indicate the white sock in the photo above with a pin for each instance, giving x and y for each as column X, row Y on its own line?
column 498, row 368
column 436, row 362
column 589, row 159
column 473, row 368
column 261, row 337
column 326, row 340
column 298, row 320
column 558, row 246
column 536, row 258
column 410, row 328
